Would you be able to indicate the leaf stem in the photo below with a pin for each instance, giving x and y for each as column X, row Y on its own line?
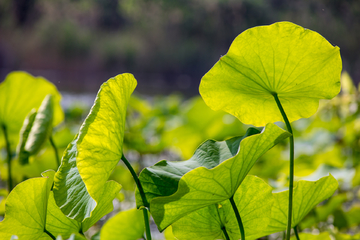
column 237, row 214
column 50, row 235
column 291, row 184
column 142, row 194
column 147, row 224
column 8, row 150
column 296, row 233
column 225, row 233
column 55, row 150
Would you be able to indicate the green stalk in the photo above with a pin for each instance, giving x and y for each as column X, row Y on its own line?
column 237, row 214
column 143, row 197
column 296, row 233
column 50, row 235
column 55, row 150
column 291, row 185
column 225, row 233
column 8, row 150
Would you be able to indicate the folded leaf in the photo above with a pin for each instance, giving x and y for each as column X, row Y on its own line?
column 162, row 179
column 87, row 163
column 23, row 155
column 202, row 186
column 41, row 127
column 253, row 199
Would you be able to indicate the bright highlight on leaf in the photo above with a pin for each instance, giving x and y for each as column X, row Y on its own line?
column 306, row 196
column 253, row 199
column 297, row 64
column 126, row 225
column 81, row 182
column 211, row 176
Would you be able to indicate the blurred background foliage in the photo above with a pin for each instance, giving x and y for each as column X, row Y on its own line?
column 168, row 45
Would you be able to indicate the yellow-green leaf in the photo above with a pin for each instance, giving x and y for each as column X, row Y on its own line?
column 202, row 186
column 89, row 160
column 26, row 209
column 297, row 64
column 253, row 199
column 306, row 196
column 126, row 225
column 19, row 93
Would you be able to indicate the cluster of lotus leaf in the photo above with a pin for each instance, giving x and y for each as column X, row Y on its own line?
column 297, row 65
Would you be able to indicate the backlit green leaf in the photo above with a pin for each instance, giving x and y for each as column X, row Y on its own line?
column 162, row 179
column 104, row 206
column 126, row 225
column 21, row 92
column 215, row 175
column 89, row 160
column 26, row 208
column 306, row 196
column 253, row 199
column 297, row 64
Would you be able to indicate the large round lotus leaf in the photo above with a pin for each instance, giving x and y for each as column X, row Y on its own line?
column 297, row 64
column 19, row 94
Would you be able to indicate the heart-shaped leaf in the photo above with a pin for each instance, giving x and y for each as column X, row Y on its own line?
column 253, row 199
column 26, row 209
column 306, row 196
column 87, row 163
column 126, row 225
column 297, row 64
column 19, row 94
column 218, row 172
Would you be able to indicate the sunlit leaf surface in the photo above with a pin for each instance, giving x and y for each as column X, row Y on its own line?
column 253, row 199
column 297, row 64
column 126, row 225
column 81, row 181
column 212, row 175
column 306, row 196
column 26, row 208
